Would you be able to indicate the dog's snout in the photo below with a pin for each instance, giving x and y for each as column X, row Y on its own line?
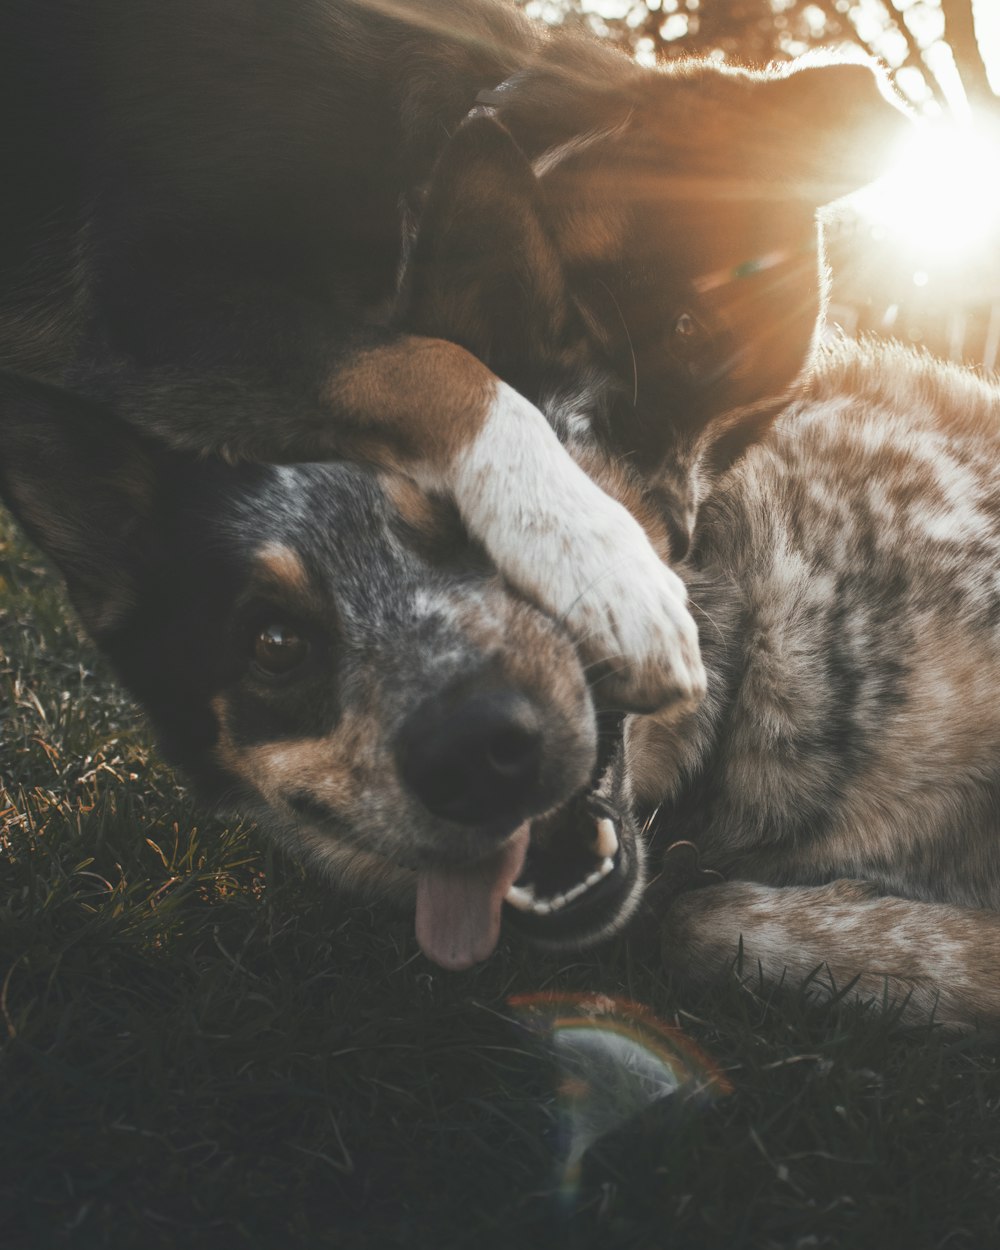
column 474, row 758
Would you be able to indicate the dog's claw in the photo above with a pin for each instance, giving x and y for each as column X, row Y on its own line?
column 635, row 630
column 605, row 838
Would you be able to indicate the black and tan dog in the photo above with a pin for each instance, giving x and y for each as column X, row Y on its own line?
column 326, row 647
column 206, row 206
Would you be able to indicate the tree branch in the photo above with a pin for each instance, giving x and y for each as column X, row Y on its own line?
column 914, row 56
column 960, row 32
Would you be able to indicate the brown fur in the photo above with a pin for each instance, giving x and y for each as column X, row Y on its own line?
column 281, row 567
column 418, row 399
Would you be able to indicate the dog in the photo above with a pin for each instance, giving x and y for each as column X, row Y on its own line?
column 841, row 774
column 208, row 206
column 328, row 647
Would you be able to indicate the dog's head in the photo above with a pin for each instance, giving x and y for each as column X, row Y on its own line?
column 681, row 207
column 322, row 645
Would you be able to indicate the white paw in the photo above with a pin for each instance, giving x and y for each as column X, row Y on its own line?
column 631, row 619
column 581, row 556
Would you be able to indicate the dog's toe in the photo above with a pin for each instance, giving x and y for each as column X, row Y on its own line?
column 633, row 626
column 641, row 640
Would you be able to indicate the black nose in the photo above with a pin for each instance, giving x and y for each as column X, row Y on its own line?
column 473, row 757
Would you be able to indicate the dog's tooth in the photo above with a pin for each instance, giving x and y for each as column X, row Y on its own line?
column 594, row 877
column 560, row 900
column 606, row 842
column 607, row 865
column 576, row 891
column 541, row 907
column 521, row 897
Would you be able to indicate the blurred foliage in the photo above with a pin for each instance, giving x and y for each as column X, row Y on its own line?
column 924, row 42
column 745, row 30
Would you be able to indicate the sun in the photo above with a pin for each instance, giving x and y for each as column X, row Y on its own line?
column 940, row 199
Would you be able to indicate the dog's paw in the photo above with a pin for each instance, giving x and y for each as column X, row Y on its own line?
column 581, row 557
column 629, row 614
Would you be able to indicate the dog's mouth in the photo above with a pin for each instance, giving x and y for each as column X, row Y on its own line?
column 579, row 872
column 565, row 879
column 544, row 887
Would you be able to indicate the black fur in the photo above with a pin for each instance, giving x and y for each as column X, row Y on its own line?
column 183, row 312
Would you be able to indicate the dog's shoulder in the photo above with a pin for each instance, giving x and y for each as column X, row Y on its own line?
column 885, row 376
column 878, row 433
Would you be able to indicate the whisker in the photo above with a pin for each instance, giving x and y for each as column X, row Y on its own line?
column 697, row 608
column 628, row 339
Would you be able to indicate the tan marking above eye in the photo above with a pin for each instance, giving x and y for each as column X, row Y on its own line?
column 423, row 513
column 283, row 566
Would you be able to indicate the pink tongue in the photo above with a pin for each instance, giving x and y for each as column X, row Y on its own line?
column 458, row 909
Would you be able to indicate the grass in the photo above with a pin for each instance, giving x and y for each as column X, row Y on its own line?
column 199, row 1046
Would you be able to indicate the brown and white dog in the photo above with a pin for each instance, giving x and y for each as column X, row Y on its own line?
column 208, row 204
column 329, row 647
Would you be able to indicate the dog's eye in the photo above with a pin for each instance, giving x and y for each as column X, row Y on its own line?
column 278, row 648
column 695, row 349
column 687, row 329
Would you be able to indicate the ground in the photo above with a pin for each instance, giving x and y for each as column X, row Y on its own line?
column 199, row 1046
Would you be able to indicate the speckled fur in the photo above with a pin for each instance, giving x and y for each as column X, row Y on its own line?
column 844, row 772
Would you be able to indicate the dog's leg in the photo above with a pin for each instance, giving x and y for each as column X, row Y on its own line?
column 942, row 961
column 551, row 531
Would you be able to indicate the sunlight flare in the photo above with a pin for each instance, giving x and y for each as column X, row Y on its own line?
column 940, row 199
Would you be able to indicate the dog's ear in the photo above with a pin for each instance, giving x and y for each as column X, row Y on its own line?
column 826, row 128
column 81, row 483
column 484, row 272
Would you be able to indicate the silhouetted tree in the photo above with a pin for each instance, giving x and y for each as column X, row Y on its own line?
column 908, row 37
column 960, row 32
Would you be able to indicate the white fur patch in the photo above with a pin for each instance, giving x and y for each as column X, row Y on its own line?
column 578, row 554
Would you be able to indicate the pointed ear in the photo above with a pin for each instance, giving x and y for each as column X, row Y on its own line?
column 484, row 272
column 836, row 125
column 81, row 483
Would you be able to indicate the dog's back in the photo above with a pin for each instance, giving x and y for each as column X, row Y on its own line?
column 150, row 143
column 847, row 761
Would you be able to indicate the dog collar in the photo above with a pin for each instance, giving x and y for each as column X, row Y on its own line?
column 493, row 98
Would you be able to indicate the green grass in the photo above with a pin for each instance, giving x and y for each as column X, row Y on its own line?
column 199, row 1046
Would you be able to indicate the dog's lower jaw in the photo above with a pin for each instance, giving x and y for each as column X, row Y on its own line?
column 459, row 908
column 578, row 554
